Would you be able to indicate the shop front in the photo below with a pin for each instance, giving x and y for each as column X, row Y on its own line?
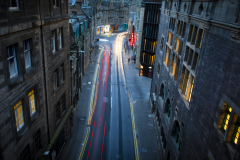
column 98, row 30
column 112, row 28
column 107, row 28
column 116, row 27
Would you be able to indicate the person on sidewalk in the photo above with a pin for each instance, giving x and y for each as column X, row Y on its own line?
column 128, row 60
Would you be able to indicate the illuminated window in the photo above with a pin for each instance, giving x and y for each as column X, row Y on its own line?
column 226, row 117
column 19, row 115
column 175, row 74
column 31, row 97
column 186, row 84
column 167, row 56
column 178, row 46
column 169, row 39
column 236, row 132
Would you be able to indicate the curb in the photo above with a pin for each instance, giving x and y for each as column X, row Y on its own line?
column 132, row 117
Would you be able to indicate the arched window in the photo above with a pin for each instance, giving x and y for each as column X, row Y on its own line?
column 176, row 134
column 162, row 92
column 168, row 108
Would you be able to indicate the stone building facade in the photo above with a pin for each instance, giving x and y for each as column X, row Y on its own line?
column 34, row 44
column 195, row 91
column 111, row 13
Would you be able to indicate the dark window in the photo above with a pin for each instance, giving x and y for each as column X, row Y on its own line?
column 161, row 47
column 162, row 92
column 12, row 61
column 37, row 141
column 58, row 116
column 62, row 73
column 13, row 3
column 168, row 109
column 155, row 91
column 55, row 79
column 25, row 155
column 54, row 40
column 63, row 103
column 158, row 71
column 27, row 53
column 55, row 3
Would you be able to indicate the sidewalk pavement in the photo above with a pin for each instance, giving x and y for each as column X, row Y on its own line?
column 139, row 89
column 79, row 124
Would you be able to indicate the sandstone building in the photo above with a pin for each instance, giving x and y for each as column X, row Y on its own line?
column 195, row 91
column 35, row 104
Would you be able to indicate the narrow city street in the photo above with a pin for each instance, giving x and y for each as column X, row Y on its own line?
column 109, row 134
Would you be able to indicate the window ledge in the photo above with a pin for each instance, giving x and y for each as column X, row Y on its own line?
column 12, row 9
column 185, row 102
column 34, row 116
column 16, row 80
column 29, row 71
column 22, row 131
column 56, row 89
column 230, row 148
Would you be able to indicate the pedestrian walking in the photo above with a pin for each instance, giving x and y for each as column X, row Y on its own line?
column 128, row 60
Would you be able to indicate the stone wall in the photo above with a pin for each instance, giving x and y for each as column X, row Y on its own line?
column 215, row 83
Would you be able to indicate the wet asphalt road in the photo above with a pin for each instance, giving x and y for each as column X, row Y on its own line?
column 110, row 135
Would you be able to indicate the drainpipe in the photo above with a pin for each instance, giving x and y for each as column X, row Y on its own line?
column 44, row 73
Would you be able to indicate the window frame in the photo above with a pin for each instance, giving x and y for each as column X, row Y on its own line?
column 56, row 3
column 28, row 50
column 62, row 68
column 37, row 137
column 58, row 112
column 13, row 8
column 60, row 32
column 14, row 56
column 53, row 41
column 16, row 106
column 32, row 93
column 56, row 79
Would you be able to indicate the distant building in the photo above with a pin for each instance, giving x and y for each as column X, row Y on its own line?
column 195, row 86
column 110, row 16
column 35, row 104
column 81, row 46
